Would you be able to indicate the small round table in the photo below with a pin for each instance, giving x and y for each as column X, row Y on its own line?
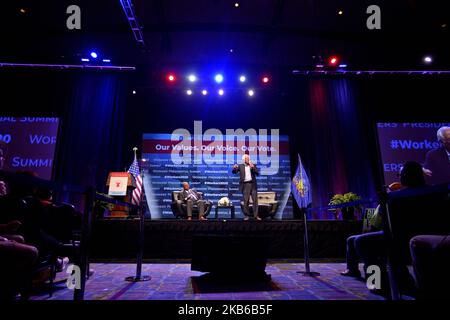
column 231, row 208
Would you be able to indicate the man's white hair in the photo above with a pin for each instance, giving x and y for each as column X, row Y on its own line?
column 245, row 155
column 440, row 133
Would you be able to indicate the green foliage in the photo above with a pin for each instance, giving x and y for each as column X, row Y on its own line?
column 344, row 198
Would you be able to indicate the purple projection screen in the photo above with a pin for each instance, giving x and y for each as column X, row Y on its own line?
column 401, row 142
column 28, row 143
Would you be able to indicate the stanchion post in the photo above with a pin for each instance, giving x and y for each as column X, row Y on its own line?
column 307, row 271
column 84, row 243
column 139, row 277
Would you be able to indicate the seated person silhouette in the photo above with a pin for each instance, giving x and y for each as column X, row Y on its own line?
column 191, row 197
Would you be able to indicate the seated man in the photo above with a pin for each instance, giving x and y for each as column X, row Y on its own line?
column 371, row 247
column 191, row 197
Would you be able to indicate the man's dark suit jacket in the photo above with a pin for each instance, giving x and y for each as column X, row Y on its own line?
column 438, row 162
column 241, row 169
column 184, row 194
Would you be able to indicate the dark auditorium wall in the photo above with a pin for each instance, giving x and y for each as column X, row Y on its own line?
column 330, row 120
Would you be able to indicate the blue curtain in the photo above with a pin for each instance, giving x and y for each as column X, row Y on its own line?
column 92, row 130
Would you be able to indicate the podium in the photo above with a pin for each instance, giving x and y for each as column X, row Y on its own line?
column 120, row 186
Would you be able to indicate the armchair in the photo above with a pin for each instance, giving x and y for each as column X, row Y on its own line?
column 179, row 208
column 267, row 204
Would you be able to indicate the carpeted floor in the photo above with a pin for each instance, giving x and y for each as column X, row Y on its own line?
column 176, row 281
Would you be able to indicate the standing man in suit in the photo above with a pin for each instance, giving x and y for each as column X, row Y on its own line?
column 247, row 185
column 191, row 197
column 437, row 161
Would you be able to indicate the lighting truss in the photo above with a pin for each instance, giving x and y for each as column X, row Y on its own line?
column 128, row 8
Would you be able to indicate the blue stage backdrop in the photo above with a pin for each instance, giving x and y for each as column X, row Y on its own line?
column 29, row 144
column 205, row 161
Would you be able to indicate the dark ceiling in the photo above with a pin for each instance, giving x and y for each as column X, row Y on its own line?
column 272, row 33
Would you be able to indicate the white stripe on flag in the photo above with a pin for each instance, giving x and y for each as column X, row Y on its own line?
column 136, row 196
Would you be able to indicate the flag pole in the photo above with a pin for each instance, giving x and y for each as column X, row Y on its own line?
column 307, row 271
column 139, row 277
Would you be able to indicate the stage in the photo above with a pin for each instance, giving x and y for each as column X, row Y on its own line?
column 116, row 240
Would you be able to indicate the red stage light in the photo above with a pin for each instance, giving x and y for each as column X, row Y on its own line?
column 265, row 79
column 333, row 60
column 171, row 77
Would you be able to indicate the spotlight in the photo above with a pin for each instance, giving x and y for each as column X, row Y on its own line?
column 204, row 92
column 106, row 60
column 242, row 78
column 219, row 78
column 171, row 77
column 189, row 92
column 94, row 54
column 220, row 92
column 236, row 5
column 84, row 59
column 340, row 12
column 192, row 78
column 265, row 79
column 428, row 59
column 134, row 91
column 334, row 60
column 250, row 92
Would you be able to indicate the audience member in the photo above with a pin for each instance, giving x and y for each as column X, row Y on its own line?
column 370, row 248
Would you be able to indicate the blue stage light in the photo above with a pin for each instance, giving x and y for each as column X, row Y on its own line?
column 204, row 92
column 251, row 92
column 189, row 92
column 242, row 78
column 94, row 54
column 219, row 78
column 221, row 92
column 84, row 59
column 106, row 60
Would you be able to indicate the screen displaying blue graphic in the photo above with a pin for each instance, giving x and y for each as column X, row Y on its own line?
column 401, row 142
column 28, row 144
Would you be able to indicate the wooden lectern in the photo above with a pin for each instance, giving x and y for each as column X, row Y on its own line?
column 119, row 192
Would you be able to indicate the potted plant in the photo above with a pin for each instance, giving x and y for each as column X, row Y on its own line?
column 348, row 213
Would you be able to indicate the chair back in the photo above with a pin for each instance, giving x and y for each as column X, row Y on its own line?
column 175, row 195
column 413, row 212
column 266, row 197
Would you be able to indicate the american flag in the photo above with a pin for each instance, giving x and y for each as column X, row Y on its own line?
column 134, row 170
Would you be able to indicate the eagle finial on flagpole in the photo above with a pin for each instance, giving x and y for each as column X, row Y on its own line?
column 134, row 150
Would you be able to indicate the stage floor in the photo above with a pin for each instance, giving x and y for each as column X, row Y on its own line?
column 175, row 281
